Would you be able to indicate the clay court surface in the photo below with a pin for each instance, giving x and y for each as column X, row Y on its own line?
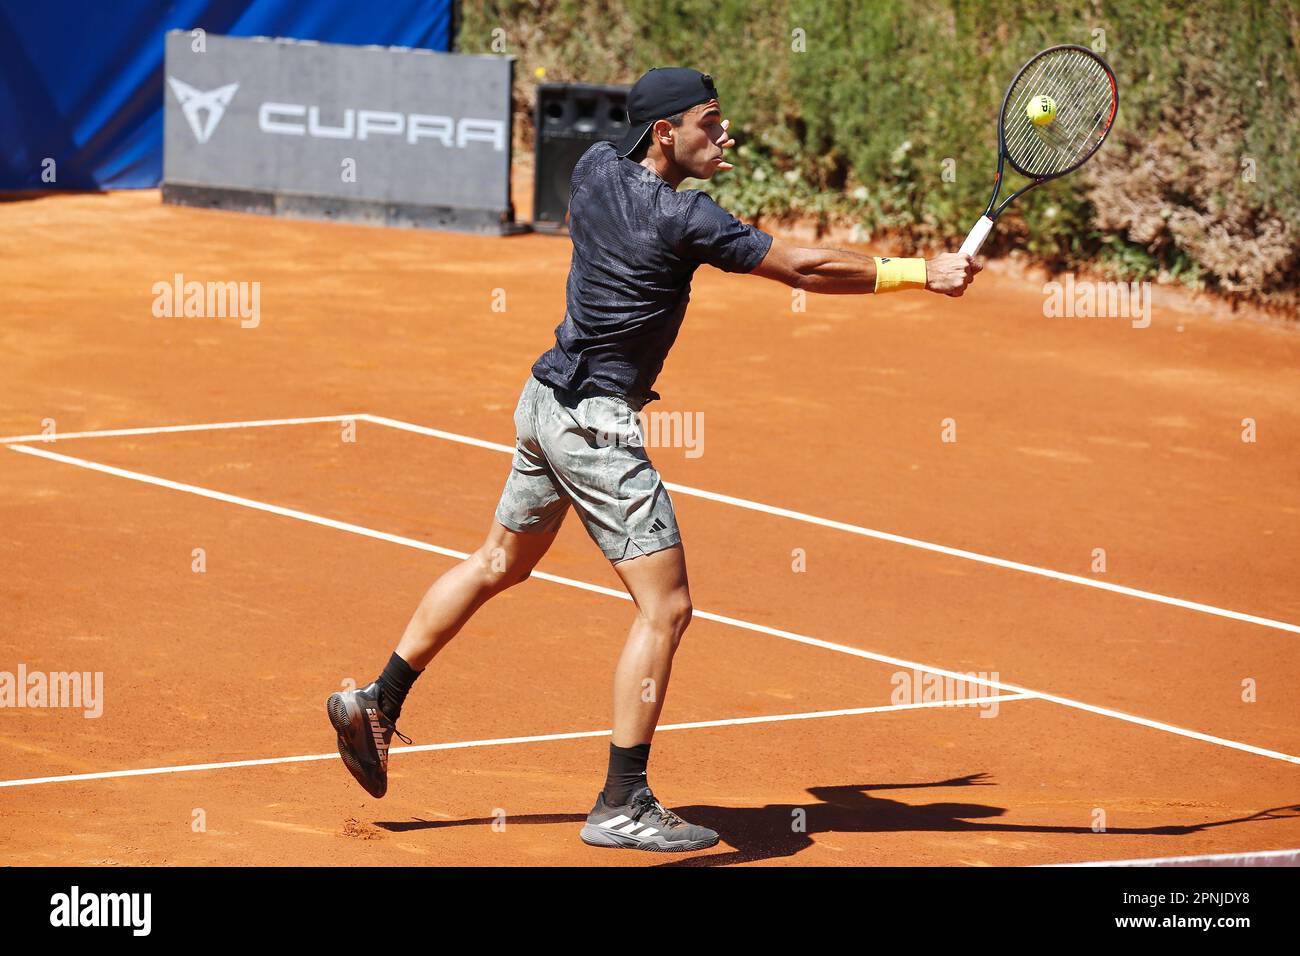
column 1072, row 435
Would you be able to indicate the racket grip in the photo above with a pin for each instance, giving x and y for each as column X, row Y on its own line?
column 976, row 237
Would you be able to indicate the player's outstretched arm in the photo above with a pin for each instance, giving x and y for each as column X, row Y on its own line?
column 836, row 271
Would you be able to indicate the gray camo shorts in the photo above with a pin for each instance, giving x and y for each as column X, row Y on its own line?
column 587, row 453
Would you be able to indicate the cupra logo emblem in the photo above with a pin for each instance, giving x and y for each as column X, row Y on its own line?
column 212, row 105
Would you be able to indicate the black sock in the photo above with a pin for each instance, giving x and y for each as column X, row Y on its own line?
column 394, row 684
column 627, row 773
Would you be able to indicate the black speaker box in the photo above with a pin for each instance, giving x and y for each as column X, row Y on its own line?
column 568, row 118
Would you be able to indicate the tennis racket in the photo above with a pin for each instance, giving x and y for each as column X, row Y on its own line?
column 1082, row 87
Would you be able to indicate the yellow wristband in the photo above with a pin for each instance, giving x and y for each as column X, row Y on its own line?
column 895, row 274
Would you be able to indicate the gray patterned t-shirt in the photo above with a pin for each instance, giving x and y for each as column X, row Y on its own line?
column 636, row 244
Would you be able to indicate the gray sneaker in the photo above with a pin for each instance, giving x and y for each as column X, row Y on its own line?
column 364, row 733
column 643, row 824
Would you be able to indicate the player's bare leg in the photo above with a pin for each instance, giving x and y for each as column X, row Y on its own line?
column 366, row 718
column 658, row 585
column 505, row 559
column 627, row 814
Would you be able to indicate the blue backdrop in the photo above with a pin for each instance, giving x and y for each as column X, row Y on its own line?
column 81, row 81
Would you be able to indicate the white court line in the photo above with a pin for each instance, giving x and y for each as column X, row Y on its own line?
column 504, row 741
column 1266, row 858
column 734, row 502
column 161, row 429
column 887, row 536
column 702, row 615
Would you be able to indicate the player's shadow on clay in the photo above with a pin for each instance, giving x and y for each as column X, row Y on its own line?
column 780, row 830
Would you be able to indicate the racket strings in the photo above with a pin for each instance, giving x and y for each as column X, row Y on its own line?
column 1082, row 105
column 1085, row 100
column 1064, row 81
column 1071, row 132
column 1061, row 143
column 1060, row 132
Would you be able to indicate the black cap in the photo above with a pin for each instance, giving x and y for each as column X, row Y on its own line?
column 660, row 93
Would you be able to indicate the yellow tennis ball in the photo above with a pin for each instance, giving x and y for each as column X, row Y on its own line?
column 1041, row 110
column 540, row 72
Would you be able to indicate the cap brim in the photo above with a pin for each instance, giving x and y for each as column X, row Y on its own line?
column 633, row 138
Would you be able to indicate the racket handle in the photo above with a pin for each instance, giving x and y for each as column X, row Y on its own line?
column 976, row 237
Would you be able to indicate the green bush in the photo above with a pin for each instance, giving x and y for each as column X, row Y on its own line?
column 850, row 111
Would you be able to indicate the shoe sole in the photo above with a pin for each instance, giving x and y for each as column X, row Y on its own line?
column 340, row 720
column 605, row 840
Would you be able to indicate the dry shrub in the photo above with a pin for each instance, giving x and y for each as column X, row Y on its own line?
column 1184, row 192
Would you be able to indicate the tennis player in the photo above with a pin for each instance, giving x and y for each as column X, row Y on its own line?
column 637, row 241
